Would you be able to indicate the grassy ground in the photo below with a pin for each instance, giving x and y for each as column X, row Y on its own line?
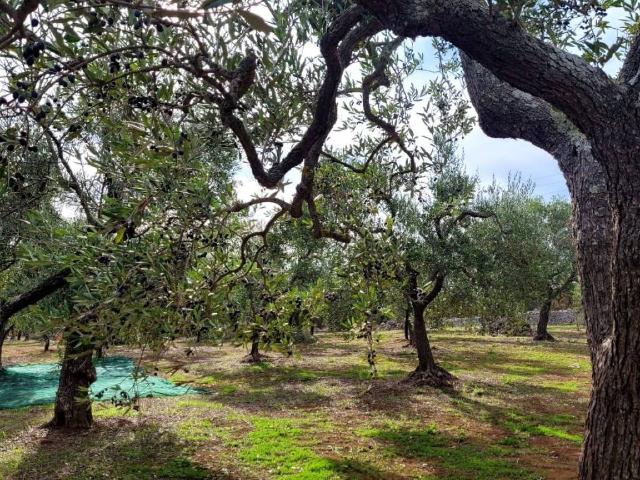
column 516, row 414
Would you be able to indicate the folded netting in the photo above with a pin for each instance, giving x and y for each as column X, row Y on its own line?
column 117, row 379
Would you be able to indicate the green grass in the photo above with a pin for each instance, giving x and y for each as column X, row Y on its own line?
column 319, row 416
column 553, row 427
column 274, row 445
column 458, row 458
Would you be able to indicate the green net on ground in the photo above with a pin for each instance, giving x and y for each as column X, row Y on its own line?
column 24, row 385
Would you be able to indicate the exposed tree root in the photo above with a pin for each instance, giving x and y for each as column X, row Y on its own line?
column 543, row 337
column 436, row 377
column 256, row 358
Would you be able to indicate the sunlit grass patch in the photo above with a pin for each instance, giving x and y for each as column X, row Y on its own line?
column 199, row 403
column 10, row 460
column 457, row 457
column 109, row 411
column 567, row 386
column 277, row 445
column 558, row 433
column 520, row 424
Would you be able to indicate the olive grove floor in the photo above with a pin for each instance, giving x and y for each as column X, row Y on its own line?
column 517, row 413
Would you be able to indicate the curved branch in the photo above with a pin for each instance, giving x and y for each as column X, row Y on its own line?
column 45, row 288
column 376, row 79
column 505, row 112
column 630, row 72
column 18, row 16
column 345, row 29
column 584, row 93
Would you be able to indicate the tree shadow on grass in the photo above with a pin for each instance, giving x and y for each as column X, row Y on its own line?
column 351, row 469
column 116, row 448
column 453, row 457
column 499, row 362
column 521, row 419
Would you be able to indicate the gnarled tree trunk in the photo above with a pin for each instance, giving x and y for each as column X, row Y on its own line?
column 73, row 404
column 428, row 371
column 612, row 437
column 543, row 321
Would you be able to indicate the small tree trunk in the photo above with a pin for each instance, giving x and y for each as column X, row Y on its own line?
column 428, row 372
column 541, row 333
column 73, row 405
column 255, row 356
column 255, row 347
column 407, row 324
column 425, row 355
column 47, row 341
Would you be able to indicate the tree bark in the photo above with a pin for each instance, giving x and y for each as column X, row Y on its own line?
column 615, row 400
column 18, row 303
column 505, row 112
column 541, row 332
column 255, row 348
column 254, row 355
column 426, row 361
column 407, row 324
column 428, row 372
column 73, row 404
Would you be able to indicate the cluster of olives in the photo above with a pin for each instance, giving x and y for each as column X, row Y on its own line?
column 10, row 143
column 32, row 51
column 114, row 63
column 23, row 91
column 22, row 140
column 66, row 80
column 143, row 102
column 145, row 20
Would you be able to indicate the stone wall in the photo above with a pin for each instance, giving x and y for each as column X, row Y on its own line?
column 557, row 317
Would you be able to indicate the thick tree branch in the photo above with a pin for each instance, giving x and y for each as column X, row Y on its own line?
column 584, row 93
column 18, row 16
column 630, row 72
column 336, row 46
column 505, row 112
column 45, row 288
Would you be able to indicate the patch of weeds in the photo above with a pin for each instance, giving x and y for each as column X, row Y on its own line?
column 195, row 430
column 476, row 391
column 10, row 461
column 513, row 379
column 515, row 441
column 520, row 424
column 181, row 377
column 228, row 389
column 276, row 445
column 199, row 403
column 460, row 460
column 558, row 433
column 525, row 370
column 101, row 411
column 568, row 386
column 182, row 469
column 562, row 419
